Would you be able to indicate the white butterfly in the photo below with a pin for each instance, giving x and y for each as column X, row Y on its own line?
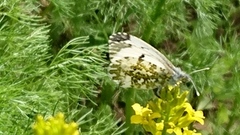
column 135, row 63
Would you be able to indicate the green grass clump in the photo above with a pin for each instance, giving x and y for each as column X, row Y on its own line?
column 53, row 58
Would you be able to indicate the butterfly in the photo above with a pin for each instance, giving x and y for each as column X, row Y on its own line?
column 135, row 63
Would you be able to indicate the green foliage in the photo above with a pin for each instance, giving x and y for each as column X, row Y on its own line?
column 52, row 58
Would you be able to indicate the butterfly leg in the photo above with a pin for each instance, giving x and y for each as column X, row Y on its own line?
column 157, row 91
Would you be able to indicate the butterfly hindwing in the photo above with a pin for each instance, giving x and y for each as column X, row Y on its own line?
column 135, row 72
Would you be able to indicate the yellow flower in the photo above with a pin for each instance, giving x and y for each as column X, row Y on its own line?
column 159, row 126
column 172, row 113
column 174, row 129
column 142, row 114
column 145, row 116
column 198, row 116
column 186, row 131
column 54, row 126
column 191, row 116
column 139, row 110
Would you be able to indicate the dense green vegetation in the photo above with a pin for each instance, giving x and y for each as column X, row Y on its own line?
column 53, row 58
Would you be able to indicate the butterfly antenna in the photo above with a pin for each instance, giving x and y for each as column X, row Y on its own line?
column 194, row 86
column 199, row 70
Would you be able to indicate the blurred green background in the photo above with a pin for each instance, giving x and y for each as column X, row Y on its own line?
column 52, row 55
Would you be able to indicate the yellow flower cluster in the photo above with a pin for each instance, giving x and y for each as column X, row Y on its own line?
column 54, row 126
column 171, row 114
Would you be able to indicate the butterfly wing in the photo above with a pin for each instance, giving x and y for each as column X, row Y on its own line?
column 134, row 63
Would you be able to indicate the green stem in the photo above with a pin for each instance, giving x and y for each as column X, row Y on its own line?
column 167, row 112
column 130, row 97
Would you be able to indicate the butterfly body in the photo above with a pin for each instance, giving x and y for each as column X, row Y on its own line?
column 135, row 63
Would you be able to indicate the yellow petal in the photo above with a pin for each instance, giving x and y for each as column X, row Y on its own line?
column 159, row 126
column 177, row 131
column 146, row 111
column 155, row 115
column 198, row 115
column 137, row 108
column 136, row 119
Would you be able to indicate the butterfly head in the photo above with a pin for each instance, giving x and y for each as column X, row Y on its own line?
column 184, row 77
column 180, row 75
